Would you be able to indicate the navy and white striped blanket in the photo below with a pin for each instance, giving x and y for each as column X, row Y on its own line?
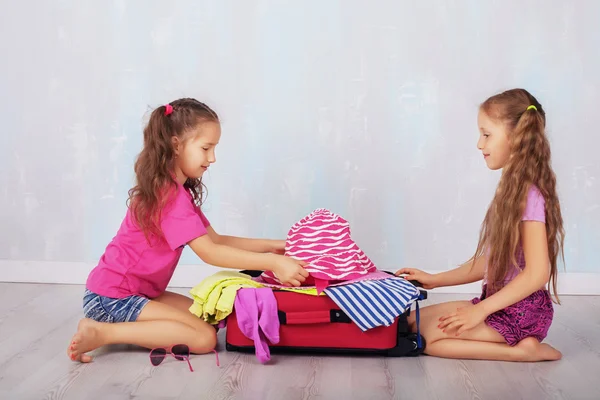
column 374, row 303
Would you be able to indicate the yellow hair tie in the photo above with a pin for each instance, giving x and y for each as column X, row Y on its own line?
column 532, row 107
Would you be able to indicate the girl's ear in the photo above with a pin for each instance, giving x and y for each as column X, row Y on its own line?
column 176, row 145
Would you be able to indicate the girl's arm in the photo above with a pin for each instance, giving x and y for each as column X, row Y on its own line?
column 469, row 272
column 532, row 278
column 288, row 270
column 253, row 245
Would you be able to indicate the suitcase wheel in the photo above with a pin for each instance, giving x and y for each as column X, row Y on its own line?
column 416, row 350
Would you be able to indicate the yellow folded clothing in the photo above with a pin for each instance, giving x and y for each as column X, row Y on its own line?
column 308, row 291
column 215, row 295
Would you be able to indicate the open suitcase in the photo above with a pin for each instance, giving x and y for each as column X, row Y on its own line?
column 315, row 324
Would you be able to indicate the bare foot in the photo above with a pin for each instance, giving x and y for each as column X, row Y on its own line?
column 87, row 338
column 536, row 351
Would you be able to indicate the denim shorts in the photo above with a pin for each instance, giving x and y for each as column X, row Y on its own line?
column 106, row 309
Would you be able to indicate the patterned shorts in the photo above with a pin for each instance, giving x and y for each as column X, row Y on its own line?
column 530, row 317
column 106, row 309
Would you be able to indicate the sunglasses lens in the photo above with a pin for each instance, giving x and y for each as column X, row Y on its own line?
column 157, row 356
column 181, row 351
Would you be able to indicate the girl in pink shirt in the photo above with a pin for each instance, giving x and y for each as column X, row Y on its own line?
column 519, row 246
column 126, row 299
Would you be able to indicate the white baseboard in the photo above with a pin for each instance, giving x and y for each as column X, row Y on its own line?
column 77, row 272
column 569, row 283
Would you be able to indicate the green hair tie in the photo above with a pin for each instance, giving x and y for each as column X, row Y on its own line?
column 532, row 107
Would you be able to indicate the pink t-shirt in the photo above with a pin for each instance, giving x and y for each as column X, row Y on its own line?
column 131, row 266
column 535, row 210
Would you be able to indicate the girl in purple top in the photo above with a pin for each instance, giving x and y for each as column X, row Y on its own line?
column 520, row 241
column 126, row 299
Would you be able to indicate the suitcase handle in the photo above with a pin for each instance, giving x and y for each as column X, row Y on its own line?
column 312, row 317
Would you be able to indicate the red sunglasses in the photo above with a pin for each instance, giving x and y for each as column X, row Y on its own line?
column 181, row 352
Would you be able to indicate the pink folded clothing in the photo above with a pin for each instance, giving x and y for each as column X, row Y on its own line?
column 257, row 318
column 322, row 239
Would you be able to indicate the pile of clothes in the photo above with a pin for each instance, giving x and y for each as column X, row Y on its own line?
column 337, row 268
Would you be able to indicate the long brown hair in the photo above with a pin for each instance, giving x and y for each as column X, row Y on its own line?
column 154, row 167
column 529, row 164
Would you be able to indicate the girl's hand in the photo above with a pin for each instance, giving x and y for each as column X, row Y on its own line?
column 428, row 281
column 462, row 319
column 290, row 271
column 277, row 247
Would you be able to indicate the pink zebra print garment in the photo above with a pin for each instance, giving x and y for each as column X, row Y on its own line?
column 322, row 239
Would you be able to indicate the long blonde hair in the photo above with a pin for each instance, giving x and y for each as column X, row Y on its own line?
column 529, row 164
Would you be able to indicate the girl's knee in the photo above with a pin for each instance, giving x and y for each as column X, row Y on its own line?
column 205, row 341
column 430, row 330
column 211, row 339
column 200, row 325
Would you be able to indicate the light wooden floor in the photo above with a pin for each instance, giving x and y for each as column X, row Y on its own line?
column 37, row 321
